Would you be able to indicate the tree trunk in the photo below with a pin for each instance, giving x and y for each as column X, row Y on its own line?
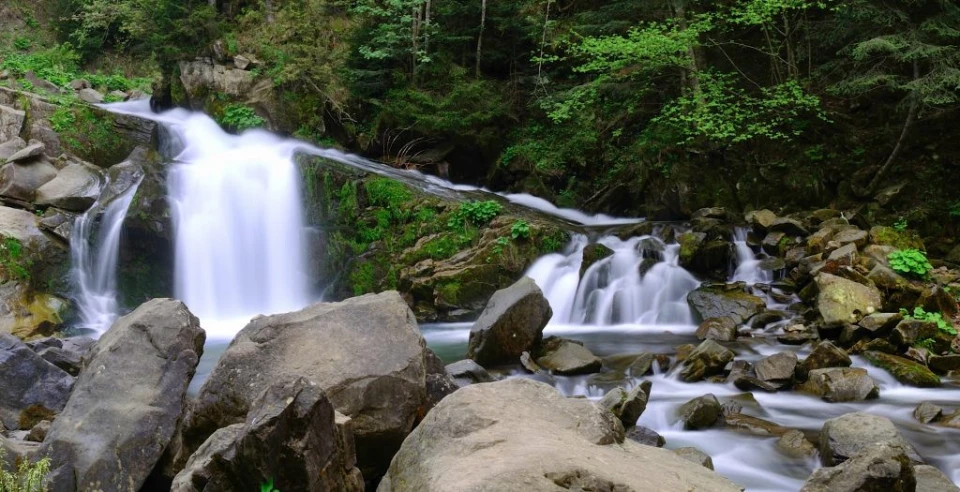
column 268, row 6
column 690, row 77
column 483, row 24
column 426, row 29
column 911, row 117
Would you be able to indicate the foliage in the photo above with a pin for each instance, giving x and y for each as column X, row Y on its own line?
column 478, row 213
column 926, row 343
column 13, row 259
column 910, row 262
column 240, row 117
column 923, row 315
column 520, row 230
column 22, row 44
column 901, row 224
column 268, row 486
column 60, row 65
column 28, row 477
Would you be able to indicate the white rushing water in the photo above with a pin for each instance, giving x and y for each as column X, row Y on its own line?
column 94, row 250
column 748, row 265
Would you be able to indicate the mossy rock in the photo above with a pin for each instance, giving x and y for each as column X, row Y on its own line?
column 898, row 239
column 906, row 371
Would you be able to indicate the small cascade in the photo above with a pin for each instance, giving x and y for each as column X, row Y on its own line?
column 94, row 249
column 640, row 283
column 748, row 265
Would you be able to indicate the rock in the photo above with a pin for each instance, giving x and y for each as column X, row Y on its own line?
column 778, row 368
column 888, row 236
column 952, row 420
column 11, row 122
column 761, row 220
column 126, row 405
column 843, row 301
column 917, row 354
column 11, row 146
column 28, row 314
column 707, row 359
column 824, row 355
column 78, row 84
column 722, row 329
column 490, row 437
column 934, row 298
column 694, row 455
column 909, row 331
column 773, row 243
column 512, row 323
column 927, row 412
column 118, row 95
column 791, row 227
column 627, row 405
column 526, row 360
column 40, row 84
column 690, row 244
column 90, row 96
column 67, row 354
column 438, row 382
column 21, row 181
column 772, row 264
column 843, row 437
column 635, row 365
column 877, row 467
column 567, row 357
column 840, row 384
column 746, row 382
column 592, row 253
column 241, row 62
column 852, row 236
column 753, row 425
column 699, row 413
column 290, row 437
column 645, row 436
column 794, row 444
column 879, row 324
column 798, row 334
column 75, row 188
column 817, row 242
column 467, row 372
column 944, row 363
column 906, row 371
column 33, row 389
column 30, row 152
column 719, row 300
column 843, row 256
column 930, row 479
column 39, row 432
column 366, row 353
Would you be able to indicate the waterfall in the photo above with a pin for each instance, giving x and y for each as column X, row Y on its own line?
column 641, row 282
column 94, row 248
column 748, row 266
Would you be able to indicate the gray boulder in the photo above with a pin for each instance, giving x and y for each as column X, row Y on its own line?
column 707, row 359
column 30, row 152
column 567, row 357
column 719, row 300
column 930, row 479
column 511, row 324
column 492, row 437
column 645, row 436
column 794, row 444
column 843, row 437
column 366, row 353
column 699, row 413
column 466, row 372
column 694, row 455
column 292, row 436
column 927, row 412
column 21, row 181
column 840, row 384
column 778, row 368
column 11, row 122
column 824, row 355
column 90, row 96
column 877, row 467
column 67, row 354
column 75, row 188
column 843, row 301
column 627, row 405
column 127, row 403
column 33, row 389
column 11, row 146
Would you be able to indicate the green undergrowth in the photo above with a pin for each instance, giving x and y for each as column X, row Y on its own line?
column 15, row 264
column 88, row 132
column 921, row 314
column 60, row 65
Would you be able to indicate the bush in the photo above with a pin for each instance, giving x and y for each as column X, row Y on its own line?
column 29, row 477
column 240, row 117
column 910, row 262
column 476, row 212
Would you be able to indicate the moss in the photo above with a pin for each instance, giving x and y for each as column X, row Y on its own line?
column 448, row 293
column 906, row 371
column 898, row 239
column 33, row 414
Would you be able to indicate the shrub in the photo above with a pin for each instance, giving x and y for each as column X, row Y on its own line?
column 240, row 117
column 910, row 262
column 28, row 477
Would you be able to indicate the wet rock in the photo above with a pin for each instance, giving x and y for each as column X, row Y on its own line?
column 927, row 412
column 817, row 242
column 67, row 354
column 512, row 323
column 879, row 324
column 567, row 357
column 840, row 384
column 794, row 444
column 746, row 382
column 798, row 334
column 438, row 382
column 707, row 359
column 917, row 354
column 843, row 256
column 906, row 371
column 791, row 227
column 875, row 345
column 773, row 243
column 466, row 372
column 627, row 405
column 636, row 365
column 28, row 314
column 748, row 424
column 699, row 413
column 952, row 420
column 723, row 329
column 778, row 368
column 694, row 455
column 11, row 122
column 645, row 436
column 879, row 467
column 526, row 360
column 888, row 236
column 843, row 437
column 843, row 301
column 21, row 181
column 291, row 435
column 761, row 220
column 721, row 300
column 592, row 253
column 75, row 188
column 944, row 363
column 104, row 441
column 934, row 299
column 90, row 96
column 930, row 479
column 908, row 331
column 690, row 244
column 824, row 355
column 489, row 436
column 772, row 264
column 33, row 389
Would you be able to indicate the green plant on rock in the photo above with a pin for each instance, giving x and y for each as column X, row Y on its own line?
column 268, row 486
column 28, row 477
column 21, row 44
column 240, row 117
column 932, row 316
column 475, row 212
column 13, row 261
column 900, row 225
column 910, row 262
column 926, row 343
column 520, row 230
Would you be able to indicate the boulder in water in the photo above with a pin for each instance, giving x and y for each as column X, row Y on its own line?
column 840, row 384
column 844, row 301
column 694, row 455
column 906, row 371
column 126, row 405
column 795, row 445
column 843, row 437
column 722, row 300
column 466, row 372
column 511, row 324
column 824, row 355
column 491, row 437
column 593, row 253
column 645, row 436
column 778, row 368
column 880, row 466
column 699, row 413
column 927, row 412
column 722, row 329
column 567, row 357
column 33, row 389
column 707, row 359
column 930, row 479
column 627, row 405
column 292, row 437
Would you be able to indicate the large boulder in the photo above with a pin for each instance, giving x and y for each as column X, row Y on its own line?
column 840, row 384
column 520, row 434
column 75, row 188
column 292, row 436
column 843, row 437
column 11, row 122
column 127, row 403
column 906, row 371
column 707, row 359
column 20, row 181
column 719, row 300
column 511, row 324
column 32, row 388
column 845, row 301
column 877, row 467
column 366, row 353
